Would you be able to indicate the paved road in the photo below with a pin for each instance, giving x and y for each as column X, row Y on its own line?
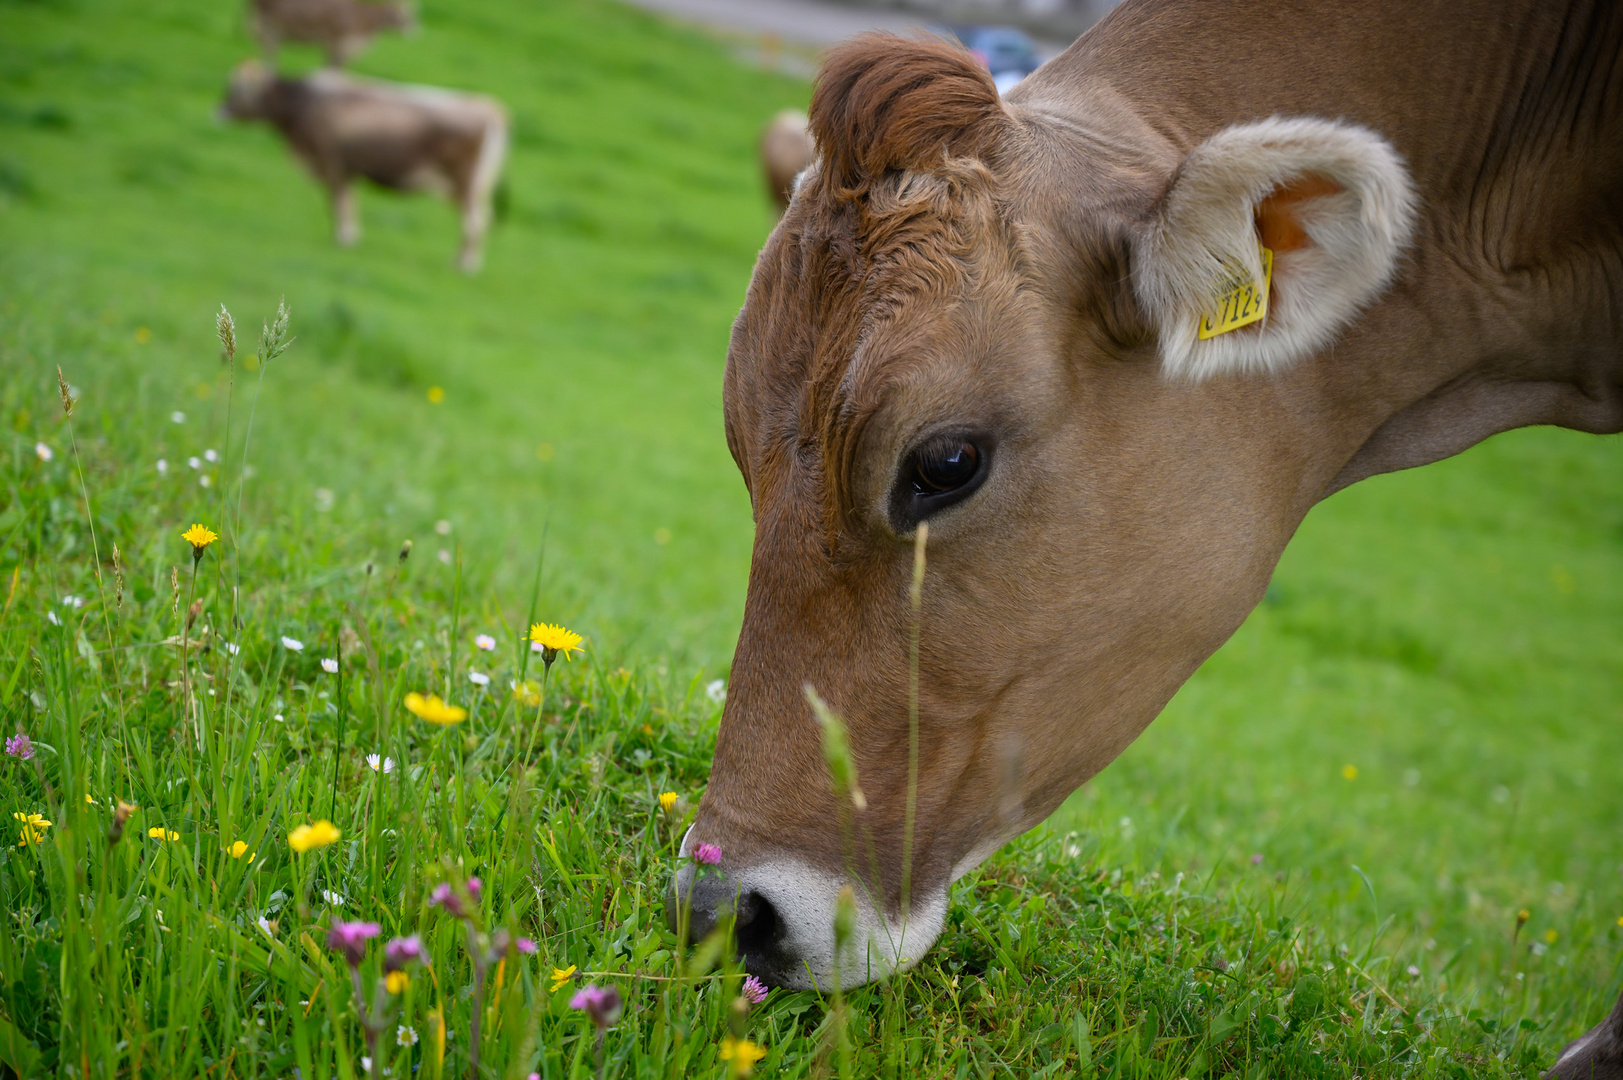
column 806, row 23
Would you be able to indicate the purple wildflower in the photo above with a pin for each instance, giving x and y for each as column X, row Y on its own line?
column 20, row 746
column 526, row 946
column 601, row 1003
column 708, row 854
column 474, row 885
column 754, row 989
column 350, row 939
column 1256, row 860
column 444, row 896
column 402, row 951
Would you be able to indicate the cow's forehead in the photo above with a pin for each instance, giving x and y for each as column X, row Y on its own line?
column 847, row 294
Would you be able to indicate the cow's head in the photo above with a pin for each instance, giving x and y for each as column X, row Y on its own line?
column 982, row 316
column 248, row 92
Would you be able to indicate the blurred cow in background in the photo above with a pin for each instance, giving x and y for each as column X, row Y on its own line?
column 403, row 137
column 786, row 150
column 341, row 27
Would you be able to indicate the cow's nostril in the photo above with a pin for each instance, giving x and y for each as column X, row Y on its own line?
column 757, row 923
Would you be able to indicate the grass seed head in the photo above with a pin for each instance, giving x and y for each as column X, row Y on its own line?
column 68, row 400
column 228, row 335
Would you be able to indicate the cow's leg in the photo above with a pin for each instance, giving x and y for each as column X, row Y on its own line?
column 474, row 195
column 346, row 215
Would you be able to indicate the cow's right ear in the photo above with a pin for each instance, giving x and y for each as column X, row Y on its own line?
column 1330, row 203
column 884, row 103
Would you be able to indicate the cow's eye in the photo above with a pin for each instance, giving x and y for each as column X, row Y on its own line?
column 945, row 465
column 940, row 472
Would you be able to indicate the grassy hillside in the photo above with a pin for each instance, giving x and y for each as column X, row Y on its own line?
column 1311, row 866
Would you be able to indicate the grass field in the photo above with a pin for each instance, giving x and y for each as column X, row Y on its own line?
column 1311, row 866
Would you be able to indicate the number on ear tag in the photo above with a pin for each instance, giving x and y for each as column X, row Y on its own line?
column 1242, row 303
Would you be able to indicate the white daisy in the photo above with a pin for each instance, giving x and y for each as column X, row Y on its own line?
column 335, row 899
column 211, row 456
column 45, row 453
column 204, row 481
column 478, row 678
column 178, row 417
column 51, row 615
column 383, row 764
column 73, row 602
column 485, row 642
column 195, row 462
column 232, row 649
column 445, row 557
column 292, row 643
column 329, row 664
column 405, row 1036
column 716, row 691
column 442, row 527
column 163, row 467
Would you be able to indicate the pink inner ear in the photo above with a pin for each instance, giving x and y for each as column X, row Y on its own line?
column 1278, row 225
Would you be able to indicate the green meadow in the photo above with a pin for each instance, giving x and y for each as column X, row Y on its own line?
column 1380, row 834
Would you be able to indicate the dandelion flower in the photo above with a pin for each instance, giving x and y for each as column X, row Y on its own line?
column 200, row 537
column 396, row 982
column 754, row 989
column 320, row 834
column 329, row 664
column 1551, row 935
column 740, row 1055
column 562, row 977
column 707, row 854
column 33, row 828
column 1349, row 771
column 478, row 678
column 380, row 764
column 485, row 642
column 527, row 692
column 292, row 643
column 436, row 394
column 45, row 453
column 405, row 1036
column 239, row 849
column 667, row 799
column 435, row 711
column 20, row 746
column 158, row 832
column 554, row 640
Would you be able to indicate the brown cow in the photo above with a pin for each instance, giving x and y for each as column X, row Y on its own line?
column 1028, row 322
column 341, row 27
column 786, row 151
column 404, row 137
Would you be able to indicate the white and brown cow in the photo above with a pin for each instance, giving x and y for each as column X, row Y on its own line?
column 406, row 137
column 1005, row 318
column 786, row 152
column 341, row 28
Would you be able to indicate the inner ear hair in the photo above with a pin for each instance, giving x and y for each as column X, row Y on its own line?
column 884, row 103
column 1331, row 200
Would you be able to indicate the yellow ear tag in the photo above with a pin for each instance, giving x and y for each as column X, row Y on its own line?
column 1242, row 303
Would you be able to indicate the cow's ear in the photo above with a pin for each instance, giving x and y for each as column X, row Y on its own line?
column 884, row 103
column 1331, row 202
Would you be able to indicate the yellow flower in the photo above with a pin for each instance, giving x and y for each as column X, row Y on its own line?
column 88, row 800
column 741, row 1054
column 554, row 640
column 200, row 537
column 240, row 848
column 306, row 837
column 1551, row 935
column 435, row 711
column 1522, row 916
column 667, row 799
column 527, row 693
column 436, row 394
column 396, row 982
column 561, row 977
column 1350, row 771
column 33, row 830
column 1620, row 920
column 158, row 832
